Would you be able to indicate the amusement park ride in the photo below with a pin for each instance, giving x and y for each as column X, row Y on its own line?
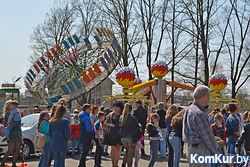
column 63, row 73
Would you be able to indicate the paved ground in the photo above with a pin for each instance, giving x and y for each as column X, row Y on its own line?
column 106, row 161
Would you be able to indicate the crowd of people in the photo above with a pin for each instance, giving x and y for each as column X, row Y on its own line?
column 222, row 131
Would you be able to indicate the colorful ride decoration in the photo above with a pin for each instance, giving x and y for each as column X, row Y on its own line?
column 218, row 82
column 137, row 81
column 125, row 77
column 159, row 69
column 73, row 67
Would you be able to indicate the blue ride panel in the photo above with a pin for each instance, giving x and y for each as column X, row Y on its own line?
column 48, row 101
column 30, row 77
column 111, row 54
column 115, row 43
column 87, row 42
column 104, row 63
column 65, row 43
column 32, row 73
column 58, row 97
column 97, row 38
column 76, row 39
column 65, row 89
column 114, row 48
column 77, row 83
column 71, row 86
column 29, row 80
column 107, row 57
column 53, row 100
column 72, row 43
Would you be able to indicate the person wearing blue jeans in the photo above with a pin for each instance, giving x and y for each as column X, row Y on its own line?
column 74, row 141
column 163, row 142
column 43, row 127
column 232, row 129
column 162, row 115
column 176, row 144
column 154, row 134
column 175, row 137
column 59, row 131
column 44, row 158
column 59, row 159
column 154, row 145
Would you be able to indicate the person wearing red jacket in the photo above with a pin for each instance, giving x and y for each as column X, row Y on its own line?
column 75, row 131
column 219, row 127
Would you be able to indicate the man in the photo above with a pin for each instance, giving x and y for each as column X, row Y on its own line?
column 196, row 129
column 86, row 133
column 141, row 115
column 232, row 129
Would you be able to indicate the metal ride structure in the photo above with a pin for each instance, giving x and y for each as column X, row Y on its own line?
column 134, row 89
column 73, row 67
column 218, row 82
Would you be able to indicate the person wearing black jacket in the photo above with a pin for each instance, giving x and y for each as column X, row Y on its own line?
column 155, row 136
column 245, row 136
column 141, row 115
column 128, row 124
column 162, row 114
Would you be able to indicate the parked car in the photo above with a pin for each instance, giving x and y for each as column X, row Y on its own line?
column 29, row 133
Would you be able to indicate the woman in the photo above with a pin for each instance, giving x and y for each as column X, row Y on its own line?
column 59, row 132
column 128, row 124
column 53, row 110
column 15, row 137
column 171, row 112
column 43, row 127
column 176, row 136
column 112, row 123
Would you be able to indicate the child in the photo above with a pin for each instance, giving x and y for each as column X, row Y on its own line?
column 137, row 149
column 75, row 131
column 14, row 119
column 154, row 136
column 98, row 138
column 219, row 127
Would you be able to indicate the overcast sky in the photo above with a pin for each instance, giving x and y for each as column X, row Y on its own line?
column 17, row 21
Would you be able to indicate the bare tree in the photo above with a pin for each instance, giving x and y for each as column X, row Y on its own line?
column 237, row 47
column 119, row 16
column 152, row 16
column 58, row 25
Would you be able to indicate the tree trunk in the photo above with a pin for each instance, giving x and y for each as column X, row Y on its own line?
column 173, row 51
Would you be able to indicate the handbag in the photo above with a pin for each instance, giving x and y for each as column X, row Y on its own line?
column 137, row 135
column 106, row 139
column 40, row 140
